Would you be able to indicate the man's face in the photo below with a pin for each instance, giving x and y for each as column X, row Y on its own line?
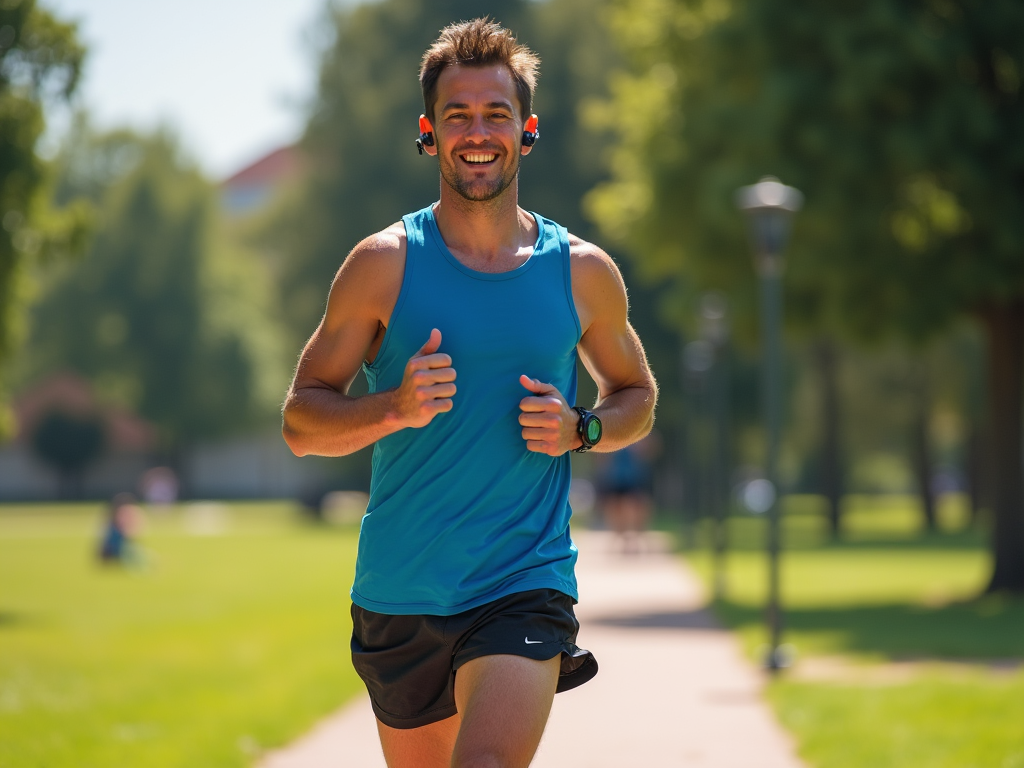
column 478, row 129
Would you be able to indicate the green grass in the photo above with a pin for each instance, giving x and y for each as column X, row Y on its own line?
column 885, row 593
column 220, row 646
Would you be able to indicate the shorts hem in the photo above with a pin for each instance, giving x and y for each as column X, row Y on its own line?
column 578, row 664
column 415, row 721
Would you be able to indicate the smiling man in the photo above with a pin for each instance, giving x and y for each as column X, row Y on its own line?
column 463, row 624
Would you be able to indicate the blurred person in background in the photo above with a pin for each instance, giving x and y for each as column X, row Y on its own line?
column 159, row 487
column 463, row 623
column 624, row 481
column 118, row 543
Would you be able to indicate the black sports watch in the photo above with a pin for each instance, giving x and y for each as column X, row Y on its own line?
column 588, row 428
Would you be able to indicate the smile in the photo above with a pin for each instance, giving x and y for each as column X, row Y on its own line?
column 479, row 158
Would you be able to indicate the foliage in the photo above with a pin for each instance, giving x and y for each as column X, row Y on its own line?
column 165, row 318
column 67, row 442
column 40, row 61
column 897, row 120
column 222, row 647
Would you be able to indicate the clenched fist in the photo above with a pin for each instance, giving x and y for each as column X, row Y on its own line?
column 548, row 421
column 427, row 385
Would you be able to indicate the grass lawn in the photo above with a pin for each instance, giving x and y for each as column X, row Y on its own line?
column 865, row 607
column 232, row 638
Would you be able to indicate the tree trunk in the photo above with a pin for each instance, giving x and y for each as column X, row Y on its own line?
column 1005, row 329
column 921, row 453
column 979, row 484
column 831, row 458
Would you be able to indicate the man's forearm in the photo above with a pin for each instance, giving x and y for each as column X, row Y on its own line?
column 627, row 415
column 324, row 422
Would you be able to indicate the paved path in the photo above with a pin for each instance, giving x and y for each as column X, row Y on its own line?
column 673, row 689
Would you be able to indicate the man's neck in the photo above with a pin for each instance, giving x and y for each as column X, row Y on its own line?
column 489, row 235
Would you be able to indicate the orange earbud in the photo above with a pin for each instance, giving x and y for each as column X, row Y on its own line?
column 426, row 138
column 530, row 132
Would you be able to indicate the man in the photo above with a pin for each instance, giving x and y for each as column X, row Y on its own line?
column 462, row 601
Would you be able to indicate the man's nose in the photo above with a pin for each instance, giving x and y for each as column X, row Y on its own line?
column 479, row 131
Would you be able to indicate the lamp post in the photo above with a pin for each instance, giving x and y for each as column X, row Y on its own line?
column 698, row 358
column 715, row 329
column 769, row 206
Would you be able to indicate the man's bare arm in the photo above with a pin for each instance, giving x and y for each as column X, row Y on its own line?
column 612, row 353
column 611, row 350
column 319, row 415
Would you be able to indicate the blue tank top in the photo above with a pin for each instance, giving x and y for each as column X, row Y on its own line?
column 460, row 512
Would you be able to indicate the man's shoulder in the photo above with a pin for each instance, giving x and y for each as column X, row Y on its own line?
column 372, row 273
column 591, row 263
column 389, row 243
column 381, row 256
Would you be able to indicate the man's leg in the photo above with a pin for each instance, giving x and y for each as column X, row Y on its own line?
column 429, row 746
column 504, row 702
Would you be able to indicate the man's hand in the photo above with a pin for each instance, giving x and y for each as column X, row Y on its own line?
column 548, row 421
column 427, row 385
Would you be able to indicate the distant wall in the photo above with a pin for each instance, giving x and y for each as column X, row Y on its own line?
column 24, row 478
column 254, row 467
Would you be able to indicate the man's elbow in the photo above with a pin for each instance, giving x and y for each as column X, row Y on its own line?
column 294, row 441
column 651, row 386
column 652, row 402
column 293, row 437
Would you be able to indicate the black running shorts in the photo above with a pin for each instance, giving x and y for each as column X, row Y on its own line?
column 409, row 662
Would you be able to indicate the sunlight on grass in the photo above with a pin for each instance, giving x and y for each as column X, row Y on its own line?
column 232, row 638
column 885, row 591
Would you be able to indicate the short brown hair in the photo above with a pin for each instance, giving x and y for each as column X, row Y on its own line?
column 479, row 43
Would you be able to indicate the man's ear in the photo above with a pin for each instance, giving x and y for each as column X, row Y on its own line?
column 530, row 135
column 426, row 142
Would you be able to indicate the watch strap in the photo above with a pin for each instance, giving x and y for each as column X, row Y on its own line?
column 581, row 431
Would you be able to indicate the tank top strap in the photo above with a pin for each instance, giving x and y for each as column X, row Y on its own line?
column 556, row 233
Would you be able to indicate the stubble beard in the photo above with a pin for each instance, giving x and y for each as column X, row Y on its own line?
column 471, row 190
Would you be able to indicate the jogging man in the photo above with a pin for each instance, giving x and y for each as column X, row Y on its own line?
column 467, row 318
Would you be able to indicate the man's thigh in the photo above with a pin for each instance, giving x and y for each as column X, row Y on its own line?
column 429, row 746
column 504, row 702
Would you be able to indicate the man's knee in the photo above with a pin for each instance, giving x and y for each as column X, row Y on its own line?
column 486, row 759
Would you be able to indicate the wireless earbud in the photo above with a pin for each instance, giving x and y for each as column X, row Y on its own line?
column 426, row 138
column 530, row 132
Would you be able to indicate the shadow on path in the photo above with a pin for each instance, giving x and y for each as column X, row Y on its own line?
column 986, row 628
column 699, row 619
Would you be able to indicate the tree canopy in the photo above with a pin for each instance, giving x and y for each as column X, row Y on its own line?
column 897, row 120
column 40, row 61
column 159, row 314
column 900, row 123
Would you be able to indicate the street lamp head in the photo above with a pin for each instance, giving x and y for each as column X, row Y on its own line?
column 769, row 206
column 713, row 321
column 698, row 356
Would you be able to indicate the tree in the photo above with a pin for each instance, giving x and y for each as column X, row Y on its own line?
column 899, row 120
column 69, row 443
column 40, row 61
column 159, row 315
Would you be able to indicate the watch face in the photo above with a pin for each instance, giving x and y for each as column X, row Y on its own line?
column 593, row 430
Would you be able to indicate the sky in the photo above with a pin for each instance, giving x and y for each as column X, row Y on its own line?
column 230, row 76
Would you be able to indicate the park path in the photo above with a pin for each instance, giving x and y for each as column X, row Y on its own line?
column 673, row 688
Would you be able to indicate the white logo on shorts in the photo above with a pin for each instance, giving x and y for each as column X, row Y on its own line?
column 533, row 642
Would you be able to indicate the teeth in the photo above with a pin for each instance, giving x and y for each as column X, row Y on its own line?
column 478, row 158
